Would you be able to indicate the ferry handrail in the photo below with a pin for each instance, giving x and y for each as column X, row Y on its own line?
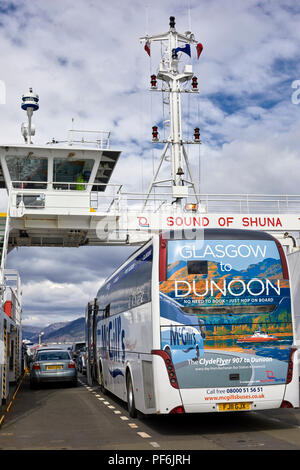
column 237, row 203
column 212, row 196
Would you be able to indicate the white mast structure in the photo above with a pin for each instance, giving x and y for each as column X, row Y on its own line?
column 170, row 74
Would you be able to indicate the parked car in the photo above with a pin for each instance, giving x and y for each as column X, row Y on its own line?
column 52, row 365
column 76, row 348
column 81, row 361
column 37, row 349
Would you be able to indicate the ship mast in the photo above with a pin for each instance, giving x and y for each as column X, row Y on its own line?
column 169, row 72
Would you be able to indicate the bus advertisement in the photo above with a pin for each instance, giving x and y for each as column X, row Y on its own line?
column 199, row 325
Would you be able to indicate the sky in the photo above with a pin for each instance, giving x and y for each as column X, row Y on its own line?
column 86, row 62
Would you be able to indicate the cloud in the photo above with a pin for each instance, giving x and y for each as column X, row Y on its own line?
column 57, row 283
column 67, row 265
column 48, row 302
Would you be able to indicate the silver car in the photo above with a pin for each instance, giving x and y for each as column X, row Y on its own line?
column 52, row 366
column 81, row 361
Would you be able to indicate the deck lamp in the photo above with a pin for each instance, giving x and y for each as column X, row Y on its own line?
column 153, row 81
column 154, row 133
column 191, row 207
column 172, row 21
column 196, row 134
column 195, row 83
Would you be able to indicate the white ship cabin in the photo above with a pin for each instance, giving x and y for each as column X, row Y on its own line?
column 57, row 191
column 51, row 176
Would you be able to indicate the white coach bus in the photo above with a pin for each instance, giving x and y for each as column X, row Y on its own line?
column 198, row 325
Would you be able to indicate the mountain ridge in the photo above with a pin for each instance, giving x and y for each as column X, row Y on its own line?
column 56, row 332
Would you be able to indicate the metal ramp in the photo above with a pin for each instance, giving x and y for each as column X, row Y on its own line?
column 11, row 366
column 2, row 232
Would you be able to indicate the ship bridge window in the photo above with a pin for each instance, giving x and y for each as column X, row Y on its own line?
column 27, row 172
column 32, row 201
column 72, row 174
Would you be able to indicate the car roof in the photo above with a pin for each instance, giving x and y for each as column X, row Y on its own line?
column 57, row 351
column 51, row 349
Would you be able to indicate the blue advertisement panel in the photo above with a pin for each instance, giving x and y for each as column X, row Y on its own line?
column 226, row 313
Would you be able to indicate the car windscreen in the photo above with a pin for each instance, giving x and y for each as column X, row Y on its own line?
column 53, row 356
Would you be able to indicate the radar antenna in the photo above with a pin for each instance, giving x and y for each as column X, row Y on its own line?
column 30, row 103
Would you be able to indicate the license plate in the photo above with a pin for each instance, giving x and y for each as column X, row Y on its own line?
column 53, row 367
column 242, row 406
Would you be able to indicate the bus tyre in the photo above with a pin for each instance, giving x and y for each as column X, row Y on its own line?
column 130, row 397
column 33, row 385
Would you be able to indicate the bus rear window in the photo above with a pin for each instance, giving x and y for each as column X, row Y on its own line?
column 244, row 259
column 197, row 267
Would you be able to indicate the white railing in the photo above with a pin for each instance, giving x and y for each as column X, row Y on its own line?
column 109, row 197
column 41, row 195
column 98, row 138
column 251, row 203
column 222, row 203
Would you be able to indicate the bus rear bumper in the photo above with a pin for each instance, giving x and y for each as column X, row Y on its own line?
column 241, row 398
column 210, row 408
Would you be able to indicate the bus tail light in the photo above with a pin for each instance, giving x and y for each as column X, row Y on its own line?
column 286, row 404
column 177, row 410
column 162, row 259
column 284, row 265
column 290, row 366
column 169, row 365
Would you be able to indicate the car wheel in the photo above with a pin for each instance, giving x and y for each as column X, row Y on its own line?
column 33, row 385
column 130, row 397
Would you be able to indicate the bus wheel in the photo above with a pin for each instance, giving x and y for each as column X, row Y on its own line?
column 130, row 397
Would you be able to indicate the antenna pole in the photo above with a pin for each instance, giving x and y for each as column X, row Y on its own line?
column 173, row 77
column 29, row 115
